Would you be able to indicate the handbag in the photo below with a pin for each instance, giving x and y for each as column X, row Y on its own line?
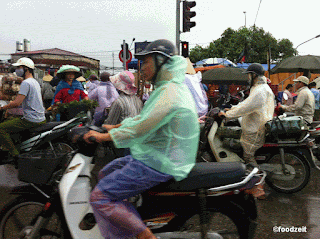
column 286, row 127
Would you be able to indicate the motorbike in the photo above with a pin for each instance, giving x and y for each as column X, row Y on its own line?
column 287, row 161
column 314, row 131
column 49, row 135
column 212, row 202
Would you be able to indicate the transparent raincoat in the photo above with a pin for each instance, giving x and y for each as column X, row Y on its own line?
column 165, row 135
column 255, row 111
column 199, row 94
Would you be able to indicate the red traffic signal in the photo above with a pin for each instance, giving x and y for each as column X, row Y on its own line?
column 187, row 15
column 185, row 49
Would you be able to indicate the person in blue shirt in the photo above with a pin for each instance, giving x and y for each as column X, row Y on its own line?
column 316, row 93
column 29, row 97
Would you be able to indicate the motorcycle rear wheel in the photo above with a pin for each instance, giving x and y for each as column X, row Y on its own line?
column 298, row 173
column 18, row 217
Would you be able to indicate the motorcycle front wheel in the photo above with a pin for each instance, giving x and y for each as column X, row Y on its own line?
column 17, row 220
column 293, row 178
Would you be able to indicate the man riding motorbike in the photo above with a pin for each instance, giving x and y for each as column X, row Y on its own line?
column 30, row 98
column 305, row 104
column 255, row 111
column 163, row 140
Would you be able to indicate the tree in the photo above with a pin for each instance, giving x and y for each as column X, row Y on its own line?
column 255, row 41
column 88, row 73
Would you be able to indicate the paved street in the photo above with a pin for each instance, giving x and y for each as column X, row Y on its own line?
column 300, row 210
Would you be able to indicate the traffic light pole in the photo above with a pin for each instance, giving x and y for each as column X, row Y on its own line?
column 124, row 55
column 178, row 26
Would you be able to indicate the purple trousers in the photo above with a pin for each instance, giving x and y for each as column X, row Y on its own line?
column 119, row 180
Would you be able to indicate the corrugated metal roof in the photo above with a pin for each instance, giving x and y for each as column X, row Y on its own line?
column 56, row 56
column 53, row 51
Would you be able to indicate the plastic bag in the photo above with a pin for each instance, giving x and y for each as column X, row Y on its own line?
column 286, row 127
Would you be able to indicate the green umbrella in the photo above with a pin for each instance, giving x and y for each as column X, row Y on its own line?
column 294, row 64
column 225, row 76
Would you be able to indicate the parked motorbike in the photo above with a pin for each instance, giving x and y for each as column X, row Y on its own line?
column 287, row 162
column 314, row 131
column 49, row 135
column 212, row 202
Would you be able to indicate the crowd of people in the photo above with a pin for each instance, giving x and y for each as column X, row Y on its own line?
column 160, row 133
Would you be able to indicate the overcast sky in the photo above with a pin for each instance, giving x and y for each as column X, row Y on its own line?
column 98, row 28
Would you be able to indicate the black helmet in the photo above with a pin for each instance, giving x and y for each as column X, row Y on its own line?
column 162, row 46
column 255, row 68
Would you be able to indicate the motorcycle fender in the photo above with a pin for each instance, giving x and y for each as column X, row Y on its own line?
column 220, row 153
column 308, row 155
column 75, row 191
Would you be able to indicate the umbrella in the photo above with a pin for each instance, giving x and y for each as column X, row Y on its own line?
column 215, row 61
column 296, row 64
column 225, row 76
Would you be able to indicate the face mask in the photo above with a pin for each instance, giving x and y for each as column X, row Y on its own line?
column 19, row 72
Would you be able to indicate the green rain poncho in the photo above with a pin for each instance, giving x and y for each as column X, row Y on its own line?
column 165, row 135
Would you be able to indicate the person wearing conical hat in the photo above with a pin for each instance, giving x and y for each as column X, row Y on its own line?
column 69, row 89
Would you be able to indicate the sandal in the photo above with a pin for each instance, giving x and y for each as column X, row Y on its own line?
column 257, row 191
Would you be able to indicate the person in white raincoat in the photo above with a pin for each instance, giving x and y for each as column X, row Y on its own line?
column 193, row 81
column 255, row 111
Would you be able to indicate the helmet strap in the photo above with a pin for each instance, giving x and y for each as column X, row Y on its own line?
column 24, row 72
column 254, row 76
column 159, row 61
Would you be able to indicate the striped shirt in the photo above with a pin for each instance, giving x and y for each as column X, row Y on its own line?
column 124, row 107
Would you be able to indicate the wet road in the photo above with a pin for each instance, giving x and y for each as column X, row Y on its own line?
column 283, row 212
column 277, row 212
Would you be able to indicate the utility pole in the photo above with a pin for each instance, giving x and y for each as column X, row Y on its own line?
column 124, row 55
column 245, row 19
column 178, row 26
column 112, row 63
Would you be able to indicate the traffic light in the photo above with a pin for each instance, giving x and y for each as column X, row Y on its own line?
column 185, row 48
column 126, row 49
column 187, row 15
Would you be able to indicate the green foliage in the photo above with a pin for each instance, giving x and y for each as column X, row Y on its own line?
column 254, row 39
column 89, row 73
column 87, row 104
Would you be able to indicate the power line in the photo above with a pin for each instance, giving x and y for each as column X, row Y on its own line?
column 98, row 52
column 257, row 13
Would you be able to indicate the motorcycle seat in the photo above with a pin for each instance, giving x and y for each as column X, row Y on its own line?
column 206, row 175
column 46, row 126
